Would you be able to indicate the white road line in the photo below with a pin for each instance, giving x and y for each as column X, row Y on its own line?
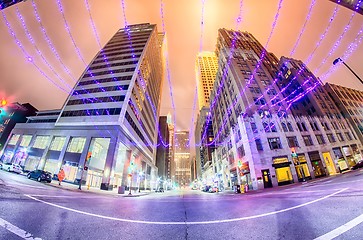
column 26, row 185
column 14, row 229
column 188, row 223
column 342, row 229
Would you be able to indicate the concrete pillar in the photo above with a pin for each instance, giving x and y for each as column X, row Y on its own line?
column 110, row 158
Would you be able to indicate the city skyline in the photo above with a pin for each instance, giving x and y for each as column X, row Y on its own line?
column 201, row 37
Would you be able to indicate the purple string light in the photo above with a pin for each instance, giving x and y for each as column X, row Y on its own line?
column 50, row 44
column 224, row 76
column 30, row 38
column 167, row 67
column 257, row 66
column 303, row 28
column 93, row 25
column 337, row 43
column 26, row 54
column 69, row 32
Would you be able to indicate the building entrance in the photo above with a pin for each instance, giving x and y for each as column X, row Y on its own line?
column 266, row 178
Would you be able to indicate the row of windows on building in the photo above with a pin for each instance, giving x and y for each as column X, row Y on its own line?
column 92, row 112
column 124, row 45
column 117, row 58
column 116, row 41
column 75, row 145
column 105, row 80
column 133, row 53
column 101, row 89
column 113, row 65
column 119, row 98
column 107, row 72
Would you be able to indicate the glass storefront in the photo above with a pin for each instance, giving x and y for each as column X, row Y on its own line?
column 302, row 168
column 330, row 166
column 31, row 163
column 316, row 163
column 52, row 166
column 70, row 170
column 282, row 170
column 94, row 178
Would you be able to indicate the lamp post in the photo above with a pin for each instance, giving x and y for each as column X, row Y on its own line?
column 351, row 70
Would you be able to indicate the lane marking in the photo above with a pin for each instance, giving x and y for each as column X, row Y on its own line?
column 26, row 185
column 14, row 229
column 188, row 223
column 342, row 229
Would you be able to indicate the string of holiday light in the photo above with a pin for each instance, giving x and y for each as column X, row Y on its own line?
column 304, row 27
column 192, row 128
column 93, row 24
column 142, row 83
column 309, row 58
column 223, row 78
column 39, row 52
column 59, row 3
column 262, row 57
column 168, row 76
column 337, row 43
column 27, row 55
column 350, row 50
column 50, row 44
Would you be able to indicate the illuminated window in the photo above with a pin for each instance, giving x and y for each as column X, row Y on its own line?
column 41, row 142
column 57, row 143
column 14, row 139
column 25, row 141
column 76, row 145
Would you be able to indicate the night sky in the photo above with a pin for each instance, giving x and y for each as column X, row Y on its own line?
column 22, row 82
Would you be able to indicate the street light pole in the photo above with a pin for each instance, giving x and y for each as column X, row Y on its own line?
column 351, row 70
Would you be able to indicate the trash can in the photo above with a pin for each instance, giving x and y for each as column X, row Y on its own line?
column 121, row 189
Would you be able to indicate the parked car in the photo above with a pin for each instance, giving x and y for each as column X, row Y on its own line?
column 358, row 165
column 12, row 167
column 40, row 175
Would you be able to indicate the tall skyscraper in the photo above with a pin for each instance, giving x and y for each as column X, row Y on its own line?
column 162, row 150
column 267, row 133
column 171, row 150
column 182, row 159
column 109, row 121
column 206, row 67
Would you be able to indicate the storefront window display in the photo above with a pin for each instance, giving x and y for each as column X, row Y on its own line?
column 282, row 170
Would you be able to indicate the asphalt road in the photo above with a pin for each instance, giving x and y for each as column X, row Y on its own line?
column 328, row 208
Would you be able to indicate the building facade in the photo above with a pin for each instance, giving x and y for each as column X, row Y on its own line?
column 10, row 114
column 182, row 159
column 109, row 122
column 162, row 150
column 350, row 104
column 269, row 126
column 206, row 67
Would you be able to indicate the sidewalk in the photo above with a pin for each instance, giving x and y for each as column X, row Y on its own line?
column 74, row 188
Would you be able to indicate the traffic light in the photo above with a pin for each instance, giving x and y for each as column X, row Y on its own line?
column 239, row 163
column 3, row 103
column 89, row 155
column 293, row 152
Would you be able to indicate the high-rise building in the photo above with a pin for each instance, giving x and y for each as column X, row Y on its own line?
column 206, row 67
column 350, row 104
column 108, row 122
column 355, row 5
column 10, row 115
column 171, row 151
column 182, row 159
column 162, row 150
column 267, row 131
column 7, row 3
